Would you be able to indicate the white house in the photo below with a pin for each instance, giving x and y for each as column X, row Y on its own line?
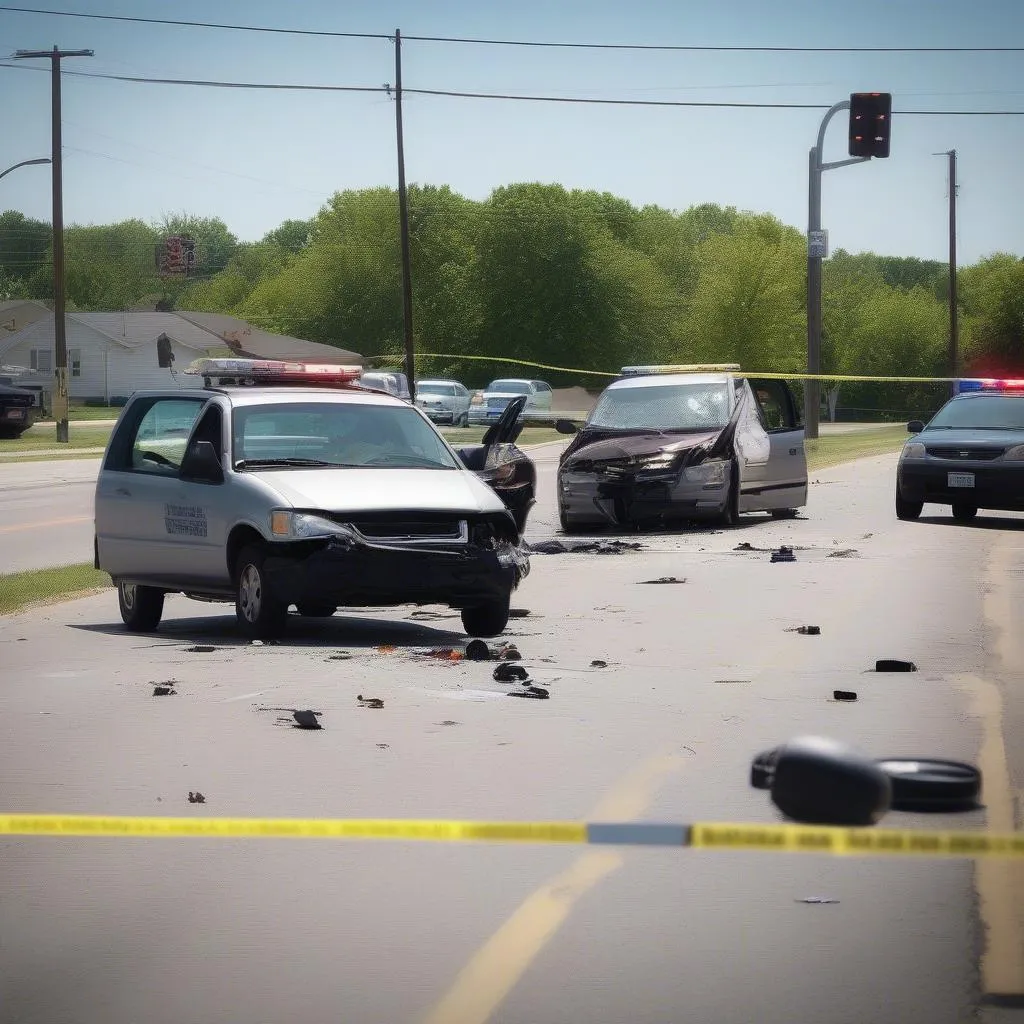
column 112, row 355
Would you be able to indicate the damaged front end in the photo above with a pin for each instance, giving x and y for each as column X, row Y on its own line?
column 387, row 559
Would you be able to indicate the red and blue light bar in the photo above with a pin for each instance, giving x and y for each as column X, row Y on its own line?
column 989, row 384
column 277, row 371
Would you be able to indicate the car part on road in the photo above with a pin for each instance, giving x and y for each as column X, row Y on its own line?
column 807, row 630
column 844, row 553
column 509, row 652
column 816, row 900
column 598, row 663
column 196, row 798
column 370, row 702
column 665, row 579
column 894, row 665
column 200, row 649
column 599, row 547
column 931, row 784
column 531, row 692
column 506, row 673
column 844, row 695
column 477, row 650
column 307, row 719
column 783, row 554
column 164, row 691
column 141, row 607
column 819, row 781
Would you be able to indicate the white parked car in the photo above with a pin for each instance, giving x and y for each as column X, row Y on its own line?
column 444, row 401
column 499, row 393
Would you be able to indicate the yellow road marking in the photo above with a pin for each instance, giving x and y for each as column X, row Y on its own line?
column 42, row 525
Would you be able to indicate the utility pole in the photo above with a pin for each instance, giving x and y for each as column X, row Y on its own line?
column 954, row 322
column 403, row 218
column 60, row 338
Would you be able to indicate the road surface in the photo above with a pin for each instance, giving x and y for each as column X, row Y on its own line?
column 701, row 676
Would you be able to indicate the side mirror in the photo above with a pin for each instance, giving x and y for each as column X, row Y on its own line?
column 915, row 427
column 566, row 427
column 201, row 463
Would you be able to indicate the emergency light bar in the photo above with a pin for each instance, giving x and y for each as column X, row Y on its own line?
column 989, row 384
column 635, row 371
column 276, row 371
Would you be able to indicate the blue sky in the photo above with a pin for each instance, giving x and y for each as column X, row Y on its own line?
column 257, row 158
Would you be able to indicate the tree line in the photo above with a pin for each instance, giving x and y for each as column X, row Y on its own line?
column 537, row 272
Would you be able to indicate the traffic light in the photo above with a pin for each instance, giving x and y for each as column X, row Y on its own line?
column 870, row 123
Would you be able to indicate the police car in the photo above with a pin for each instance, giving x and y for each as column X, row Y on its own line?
column 969, row 456
column 280, row 484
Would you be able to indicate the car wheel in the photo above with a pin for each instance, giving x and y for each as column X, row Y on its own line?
column 731, row 513
column 463, row 420
column 141, row 607
column 962, row 513
column 486, row 620
column 316, row 611
column 261, row 615
column 907, row 509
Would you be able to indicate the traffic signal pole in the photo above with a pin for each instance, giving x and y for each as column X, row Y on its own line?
column 812, row 388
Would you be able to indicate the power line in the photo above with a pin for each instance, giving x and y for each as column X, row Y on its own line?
column 548, row 44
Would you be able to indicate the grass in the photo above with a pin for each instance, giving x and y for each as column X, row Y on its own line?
column 85, row 413
column 43, row 438
column 20, row 589
column 835, row 449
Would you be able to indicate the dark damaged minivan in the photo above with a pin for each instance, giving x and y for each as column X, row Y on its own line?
column 670, row 444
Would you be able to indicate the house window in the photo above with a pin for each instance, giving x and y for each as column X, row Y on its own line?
column 41, row 360
column 75, row 362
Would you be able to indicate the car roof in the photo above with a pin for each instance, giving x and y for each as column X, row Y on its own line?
column 655, row 380
column 516, row 380
column 249, row 396
column 436, row 380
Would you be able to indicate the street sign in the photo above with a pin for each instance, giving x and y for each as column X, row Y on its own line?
column 817, row 244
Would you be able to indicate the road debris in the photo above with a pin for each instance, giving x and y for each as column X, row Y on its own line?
column 664, row 579
column 370, row 702
column 386, row 649
column 477, row 650
column 164, row 690
column 894, row 665
column 307, row 719
column 340, row 656
column 932, row 784
column 806, row 630
column 518, row 613
column 816, row 900
column 383, row 746
column 443, row 654
column 506, row 673
column 783, row 554
column 196, row 798
column 747, row 546
column 448, row 721
column 200, row 649
column 531, row 692
column 844, row 553
column 598, row 663
column 844, row 695
column 509, row 652
column 599, row 547
column 727, row 682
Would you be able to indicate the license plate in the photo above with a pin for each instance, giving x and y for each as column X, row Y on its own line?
column 961, row 479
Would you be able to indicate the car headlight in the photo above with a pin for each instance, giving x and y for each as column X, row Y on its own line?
column 1014, row 454
column 912, row 450
column 304, row 526
column 712, row 473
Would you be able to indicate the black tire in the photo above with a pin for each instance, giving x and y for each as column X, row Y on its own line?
column 141, row 607
column 316, row 611
column 963, row 513
column 463, row 420
column 907, row 510
column 486, row 620
column 731, row 515
column 261, row 616
column 932, row 785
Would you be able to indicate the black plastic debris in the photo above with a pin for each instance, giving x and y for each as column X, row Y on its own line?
column 448, row 721
column 509, row 673
column 819, row 781
column 598, row 663
column 477, row 650
column 894, row 665
column 370, row 702
column 509, row 652
column 531, row 692
column 548, row 547
column 819, row 900
column 844, row 553
column 809, row 630
column 664, row 580
column 783, row 554
column 932, row 784
column 600, row 547
column 518, row 613
column 340, row 656
column 745, row 546
column 196, row 798
column 306, row 720
column 844, row 695
column 164, row 691
column 200, row 649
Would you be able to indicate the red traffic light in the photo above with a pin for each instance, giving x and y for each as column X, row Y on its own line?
column 870, row 123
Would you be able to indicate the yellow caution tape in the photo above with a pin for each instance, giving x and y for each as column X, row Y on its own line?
column 842, row 377
column 855, row 842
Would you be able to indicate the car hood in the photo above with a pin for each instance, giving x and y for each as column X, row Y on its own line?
column 974, row 438
column 383, row 490
column 603, row 447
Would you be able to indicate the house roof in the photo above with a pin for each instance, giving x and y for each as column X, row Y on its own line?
column 18, row 313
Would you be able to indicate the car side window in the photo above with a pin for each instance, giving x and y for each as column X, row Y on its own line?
column 158, row 442
column 773, row 403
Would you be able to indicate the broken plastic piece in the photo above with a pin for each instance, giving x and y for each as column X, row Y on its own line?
column 506, row 673
column 844, row 695
column 744, row 546
column 518, row 613
column 930, row 784
column 894, row 665
column 477, row 650
column 817, row 900
column 844, row 553
column 370, row 702
column 533, row 692
column 783, row 554
column 199, row 649
column 809, row 630
column 510, row 653
column 196, row 798
column 306, row 720
column 164, row 691
column 665, row 579
column 598, row 663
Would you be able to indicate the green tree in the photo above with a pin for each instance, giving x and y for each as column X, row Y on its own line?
column 291, row 235
column 992, row 297
column 110, row 266
column 25, row 244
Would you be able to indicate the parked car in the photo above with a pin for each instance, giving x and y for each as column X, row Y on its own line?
column 16, row 408
column 301, row 488
column 444, row 401
column 499, row 393
column 391, row 381
column 671, row 443
column 970, row 455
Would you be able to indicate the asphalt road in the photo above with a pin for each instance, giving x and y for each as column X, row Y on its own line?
column 700, row 677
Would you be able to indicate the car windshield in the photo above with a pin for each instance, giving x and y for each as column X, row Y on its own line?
column 435, row 389
column 663, row 407
column 349, row 434
column 988, row 412
column 510, row 387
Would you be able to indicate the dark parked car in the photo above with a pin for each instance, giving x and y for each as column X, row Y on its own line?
column 15, row 409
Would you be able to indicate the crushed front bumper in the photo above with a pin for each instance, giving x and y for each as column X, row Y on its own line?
column 594, row 497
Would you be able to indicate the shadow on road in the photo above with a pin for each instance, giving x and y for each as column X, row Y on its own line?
column 981, row 523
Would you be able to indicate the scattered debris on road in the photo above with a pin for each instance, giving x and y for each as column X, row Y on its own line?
column 599, row 547
column 506, row 673
column 664, row 579
column 532, row 692
column 844, row 695
column 844, row 553
column 200, row 649
column 386, row 649
column 731, row 681
column 340, row 656
column 806, row 630
column 196, row 798
column 383, row 746
column 821, row 900
column 894, row 665
column 307, row 719
column 477, row 650
column 442, row 654
column 509, row 652
column 783, row 554
column 599, row 663
column 370, row 702
column 448, row 721
column 165, row 689
column 747, row 546
column 518, row 613
column 931, row 784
